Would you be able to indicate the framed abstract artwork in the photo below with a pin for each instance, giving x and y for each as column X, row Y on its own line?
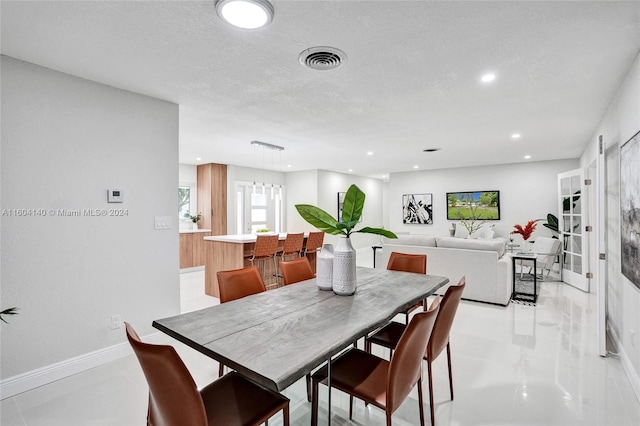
column 417, row 209
column 340, row 204
column 630, row 209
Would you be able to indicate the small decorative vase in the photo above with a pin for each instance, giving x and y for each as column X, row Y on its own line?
column 452, row 230
column 194, row 226
column 527, row 246
column 344, row 268
column 324, row 268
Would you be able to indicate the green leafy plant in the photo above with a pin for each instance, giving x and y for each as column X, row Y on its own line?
column 351, row 213
column 196, row 218
column 263, row 230
column 9, row 311
column 551, row 223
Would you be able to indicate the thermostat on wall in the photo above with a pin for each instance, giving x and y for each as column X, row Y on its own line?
column 114, row 196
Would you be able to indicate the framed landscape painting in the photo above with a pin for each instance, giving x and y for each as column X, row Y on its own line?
column 630, row 208
column 417, row 209
column 483, row 205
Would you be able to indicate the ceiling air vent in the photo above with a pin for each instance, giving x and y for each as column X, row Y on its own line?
column 322, row 58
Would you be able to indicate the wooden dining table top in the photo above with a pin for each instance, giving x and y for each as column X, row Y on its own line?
column 278, row 336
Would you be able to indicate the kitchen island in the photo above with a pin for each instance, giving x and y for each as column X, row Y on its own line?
column 227, row 252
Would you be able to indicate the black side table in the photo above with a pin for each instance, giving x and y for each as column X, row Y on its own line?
column 519, row 294
column 374, row 248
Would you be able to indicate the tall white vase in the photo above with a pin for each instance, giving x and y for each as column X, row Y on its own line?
column 324, row 268
column 344, row 268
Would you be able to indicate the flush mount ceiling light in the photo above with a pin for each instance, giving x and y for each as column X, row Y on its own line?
column 246, row 14
column 487, row 78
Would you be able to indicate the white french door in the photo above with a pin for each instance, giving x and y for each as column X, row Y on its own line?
column 572, row 208
column 600, row 248
column 259, row 209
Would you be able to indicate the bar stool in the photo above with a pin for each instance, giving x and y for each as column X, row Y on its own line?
column 292, row 247
column 265, row 249
column 314, row 243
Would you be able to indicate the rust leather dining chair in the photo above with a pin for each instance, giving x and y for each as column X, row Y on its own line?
column 236, row 284
column 174, row 399
column 239, row 283
column 264, row 252
column 407, row 262
column 296, row 270
column 385, row 384
column 390, row 335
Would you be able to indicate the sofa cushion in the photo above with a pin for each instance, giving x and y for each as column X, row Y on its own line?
column 412, row 240
column 497, row 245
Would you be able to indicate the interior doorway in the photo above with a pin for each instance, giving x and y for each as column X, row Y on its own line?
column 258, row 207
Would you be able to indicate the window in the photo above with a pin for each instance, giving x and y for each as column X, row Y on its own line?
column 184, row 201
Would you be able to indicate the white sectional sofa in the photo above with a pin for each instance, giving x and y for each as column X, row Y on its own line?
column 483, row 262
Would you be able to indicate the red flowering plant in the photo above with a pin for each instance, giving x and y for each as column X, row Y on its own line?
column 526, row 231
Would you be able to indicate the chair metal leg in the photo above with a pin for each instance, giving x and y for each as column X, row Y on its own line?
column 450, row 372
column 220, row 370
column 308, row 378
column 314, row 403
column 431, row 405
column 350, row 407
column 420, row 401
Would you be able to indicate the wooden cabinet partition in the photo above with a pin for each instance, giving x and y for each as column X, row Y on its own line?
column 212, row 197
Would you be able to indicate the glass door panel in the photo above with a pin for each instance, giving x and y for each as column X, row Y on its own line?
column 570, row 201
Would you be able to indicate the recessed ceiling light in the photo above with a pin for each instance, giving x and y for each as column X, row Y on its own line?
column 415, row 167
column 487, row 78
column 515, row 136
column 198, row 159
column 350, row 170
column 289, row 165
column 384, row 176
column 369, row 153
column 526, row 157
column 246, row 14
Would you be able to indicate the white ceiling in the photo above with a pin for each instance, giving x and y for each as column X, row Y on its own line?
column 411, row 81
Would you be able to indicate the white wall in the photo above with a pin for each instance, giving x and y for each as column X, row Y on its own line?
column 527, row 191
column 619, row 124
column 320, row 188
column 302, row 188
column 65, row 141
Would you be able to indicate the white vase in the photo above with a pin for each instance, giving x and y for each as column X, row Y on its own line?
column 344, row 268
column 194, row 226
column 324, row 268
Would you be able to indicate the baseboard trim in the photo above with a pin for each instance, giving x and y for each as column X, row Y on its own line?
column 15, row 385
column 634, row 377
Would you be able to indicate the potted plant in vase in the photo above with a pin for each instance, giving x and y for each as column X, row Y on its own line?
column 344, row 256
column 525, row 231
column 195, row 219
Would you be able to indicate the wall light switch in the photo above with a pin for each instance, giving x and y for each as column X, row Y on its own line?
column 163, row 222
column 115, row 196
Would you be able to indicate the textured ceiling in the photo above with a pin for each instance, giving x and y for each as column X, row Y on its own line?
column 411, row 80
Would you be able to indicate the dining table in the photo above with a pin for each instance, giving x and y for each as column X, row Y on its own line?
column 277, row 337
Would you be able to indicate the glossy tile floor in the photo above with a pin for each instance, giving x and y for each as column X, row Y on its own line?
column 519, row 365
